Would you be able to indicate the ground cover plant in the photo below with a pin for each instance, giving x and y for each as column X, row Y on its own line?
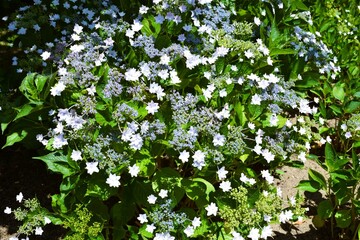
column 171, row 119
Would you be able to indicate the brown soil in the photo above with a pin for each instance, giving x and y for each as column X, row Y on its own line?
column 306, row 229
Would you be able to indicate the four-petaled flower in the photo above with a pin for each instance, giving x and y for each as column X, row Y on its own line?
column 91, row 167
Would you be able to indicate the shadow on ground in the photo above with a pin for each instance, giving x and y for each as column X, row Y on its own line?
column 20, row 173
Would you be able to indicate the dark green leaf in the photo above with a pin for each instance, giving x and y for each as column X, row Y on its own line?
column 343, row 218
column 318, row 177
column 325, row 209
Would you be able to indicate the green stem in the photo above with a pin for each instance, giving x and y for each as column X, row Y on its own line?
column 356, row 232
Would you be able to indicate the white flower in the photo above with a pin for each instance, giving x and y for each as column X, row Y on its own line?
column 45, row 55
column 163, row 236
column 19, row 197
column 251, row 125
column 91, row 90
column 292, row 201
column 78, row 29
column 7, row 210
column 348, row 135
column 113, row 180
column 76, row 155
column 265, row 174
column 285, row 216
column 134, row 170
column 254, row 234
column 184, row 156
column 222, row 93
column 273, row 120
column 91, row 167
column 256, row 99
column 219, row 140
column 132, row 74
column 266, row 232
column 152, row 107
column 163, row 193
column 249, row 54
column 77, row 48
column 257, row 149
column 142, row 218
column 199, row 159
column 136, row 142
column 222, row 173
column 150, row 228
column 189, row 231
column 269, row 156
column 38, row 231
column 225, row 186
column 204, row 1
column 343, row 126
column 143, row 9
column 59, row 141
column 151, row 199
column 47, row 220
column 236, row 236
column 257, row 21
column 211, row 209
column 57, row 89
column 136, row 26
column 164, row 59
column 267, row 218
column 302, row 157
column 196, row 222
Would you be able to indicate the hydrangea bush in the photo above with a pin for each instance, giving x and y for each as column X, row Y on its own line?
column 171, row 119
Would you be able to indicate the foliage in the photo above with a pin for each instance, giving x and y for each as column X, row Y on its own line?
column 170, row 119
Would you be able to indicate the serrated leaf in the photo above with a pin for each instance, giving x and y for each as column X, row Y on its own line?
column 57, row 162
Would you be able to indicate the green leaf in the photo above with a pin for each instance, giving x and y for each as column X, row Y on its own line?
column 338, row 91
column 329, row 152
column 318, row 221
column 309, row 186
column 14, row 138
column 298, row 4
column 40, row 81
column 325, row 209
column 26, row 109
column 342, row 193
column 97, row 187
column 57, row 162
column 318, row 177
column 343, row 218
column 330, row 157
column 147, row 166
column 352, row 106
column 279, row 51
